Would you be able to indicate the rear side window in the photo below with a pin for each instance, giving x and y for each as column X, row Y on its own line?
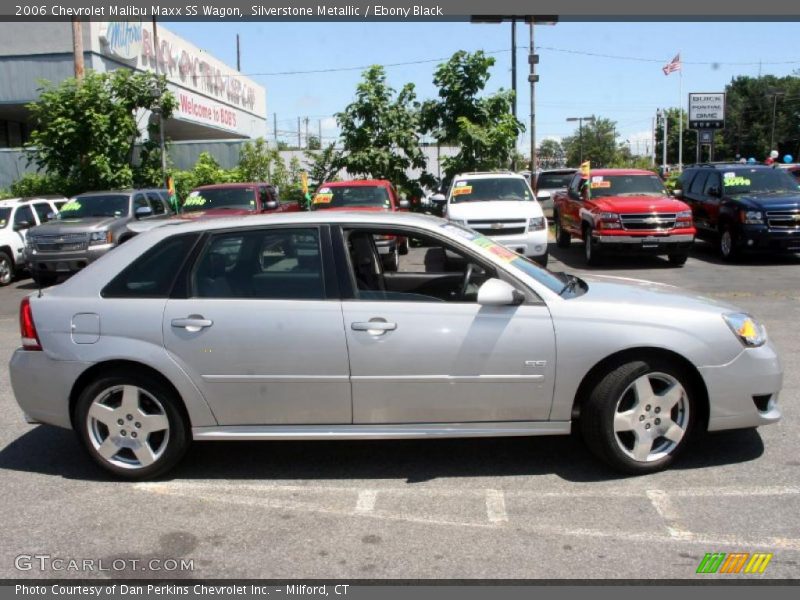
column 698, row 182
column 42, row 210
column 156, row 203
column 152, row 274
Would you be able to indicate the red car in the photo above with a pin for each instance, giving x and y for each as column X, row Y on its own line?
column 229, row 199
column 373, row 195
column 626, row 210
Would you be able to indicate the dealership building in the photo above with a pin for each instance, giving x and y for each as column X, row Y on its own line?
column 215, row 102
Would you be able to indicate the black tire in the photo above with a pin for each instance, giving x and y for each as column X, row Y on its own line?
column 728, row 243
column 598, row 412
column 44, row 279
column 591, row 251
column 178, row 434
column 404, row 247
column 541, row 260
column 678, row 260
column 563, row 238
column 7, row 268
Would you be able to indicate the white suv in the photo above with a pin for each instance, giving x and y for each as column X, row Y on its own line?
column 17, row 215
column 501, row 206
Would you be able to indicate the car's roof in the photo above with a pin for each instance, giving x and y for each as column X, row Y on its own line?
column 729, row 165
column 213, row 186
column 562, row 170
column 621, row 172
column 490, row 175
column 126, row 191
column 27, row 199
column 356, row 183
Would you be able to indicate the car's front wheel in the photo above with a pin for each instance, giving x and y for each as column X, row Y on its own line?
column 591, row 251
column 640, row 415
column 132, row 425
column 679, row 259
column 563, row 238
column 6, row 269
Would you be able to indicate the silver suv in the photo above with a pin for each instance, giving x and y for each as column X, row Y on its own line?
column 87, row 227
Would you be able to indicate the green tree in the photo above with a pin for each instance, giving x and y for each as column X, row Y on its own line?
column 36, row 184
column 255, row 160
column 313, row 143
column 689, row 138
column 481, row 126
column 599, row 143
column 550, row 153
column 380, row 131
column 323, row 165
column 85, row 130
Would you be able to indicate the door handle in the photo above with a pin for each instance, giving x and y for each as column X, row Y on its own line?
column 375, row 326
column 193, row 323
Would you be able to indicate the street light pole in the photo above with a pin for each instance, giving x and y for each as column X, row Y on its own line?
column 514, row 85
column 160, row 111
column 533, row 58
column 774, row 112
column 580, row 121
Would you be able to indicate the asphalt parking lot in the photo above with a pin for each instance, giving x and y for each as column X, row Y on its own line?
column 505, row 508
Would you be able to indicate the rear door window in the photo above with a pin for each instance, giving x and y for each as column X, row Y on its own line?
column 42, row 210
column 156, row 203
column 698, row 183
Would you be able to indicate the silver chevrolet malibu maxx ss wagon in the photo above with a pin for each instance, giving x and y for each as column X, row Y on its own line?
column 288, row 327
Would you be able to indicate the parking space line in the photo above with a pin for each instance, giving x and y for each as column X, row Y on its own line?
column 667, row 511
column 496, row 506
column 366, row 501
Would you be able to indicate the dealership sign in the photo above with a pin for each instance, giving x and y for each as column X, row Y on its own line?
column 123, row 39
column 707, row 110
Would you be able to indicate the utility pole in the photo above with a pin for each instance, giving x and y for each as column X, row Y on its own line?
column 664, row 143
column 653, row 150
column 580, row 121
column 306, row 121
column 299, row 138
column 275, row 127
column 319, row 132
column 160, row 112
column 514, row 84
column 533, row 58
column 77, row 47
column 238, row 55
column 775, row 95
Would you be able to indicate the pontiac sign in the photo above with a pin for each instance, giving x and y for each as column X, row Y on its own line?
column 707, row 110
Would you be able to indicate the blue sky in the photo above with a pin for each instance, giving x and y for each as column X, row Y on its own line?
column 571, row 84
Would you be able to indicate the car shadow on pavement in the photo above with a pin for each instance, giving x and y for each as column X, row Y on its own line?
column 572, row 257
column 54, row 451
column 708, row 253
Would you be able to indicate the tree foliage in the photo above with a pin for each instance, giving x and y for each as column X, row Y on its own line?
column 599, row 141
column 481, row 126
column 380, row 131
column 550, row 153
column 323, row 165
column 85, row 130
column 255, row 160
column 689, row 138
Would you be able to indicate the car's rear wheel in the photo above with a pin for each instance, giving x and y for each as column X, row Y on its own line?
column 590, row 250
column 132, row 425
column 541, row 260
column 6, row 269
column 678, row 260
column 640, row 415
column 563, row 238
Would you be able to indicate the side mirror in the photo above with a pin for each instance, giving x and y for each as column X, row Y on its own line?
column 438, row 197
column 51, row 216
column 495, row 292
column 544, row 195
column 20, row 225
column 677, row 193
column 714, row 191
column 403, row 204
column 143, row 211
column 270, row 205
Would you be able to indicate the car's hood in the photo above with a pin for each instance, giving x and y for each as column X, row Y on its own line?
column 214, row 212
column 498, row 209
column 640, row 204
column 639, row 293
column 355, row 209
column 773, row 201
column 63, row 226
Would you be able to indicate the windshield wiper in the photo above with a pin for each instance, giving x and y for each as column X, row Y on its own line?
column 572, row 281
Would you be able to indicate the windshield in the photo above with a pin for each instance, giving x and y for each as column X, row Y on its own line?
column 527, row 266
column 604, row 186
column 353, row 196
column 490, row 189
column 5, row 214
column 80, row 207
column 549, row 181
column 244, row 197
column 745, row 181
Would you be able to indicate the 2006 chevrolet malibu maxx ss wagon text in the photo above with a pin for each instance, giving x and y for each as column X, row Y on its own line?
column 288, row 327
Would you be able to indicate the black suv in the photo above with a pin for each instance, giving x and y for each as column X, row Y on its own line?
column 743, row 207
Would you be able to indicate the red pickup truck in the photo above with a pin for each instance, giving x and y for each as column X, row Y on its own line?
column 626, row 210
column 373, row 195
column 231, row 199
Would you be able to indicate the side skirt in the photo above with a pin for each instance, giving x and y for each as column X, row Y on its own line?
column 380, row 432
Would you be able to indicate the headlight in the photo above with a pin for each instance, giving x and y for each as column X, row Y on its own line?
column 462, row 222
column 537, row 224
column 751, row 217
column 100, row 237
column 608, row 220
column 747, row 329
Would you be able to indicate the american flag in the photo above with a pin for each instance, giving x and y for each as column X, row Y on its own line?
column 673, row 65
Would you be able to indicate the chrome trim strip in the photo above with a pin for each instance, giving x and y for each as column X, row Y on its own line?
column 631, row 239
column 390, row 431
column 448, row 378
column 275, row 378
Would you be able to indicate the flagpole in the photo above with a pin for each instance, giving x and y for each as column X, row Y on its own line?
column 680, row 115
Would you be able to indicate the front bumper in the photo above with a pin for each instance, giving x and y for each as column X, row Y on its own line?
column 42, row 386
column 63, row 262
column 533, row 243
column 760, row 238
column 655, row 244
column 744, row 392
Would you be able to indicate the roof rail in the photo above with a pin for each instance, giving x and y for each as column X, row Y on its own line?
column 497, row 172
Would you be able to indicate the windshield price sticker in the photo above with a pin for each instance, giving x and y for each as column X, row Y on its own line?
column 736, row 181
column 324, row 198
column 462, row 190
column 195, row 200
column 71, row 205
column 600, row 184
